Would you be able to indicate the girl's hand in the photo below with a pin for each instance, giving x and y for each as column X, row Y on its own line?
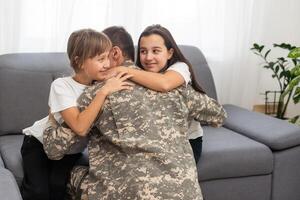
column 115, row 70
column 110, row 73
column 117, row 83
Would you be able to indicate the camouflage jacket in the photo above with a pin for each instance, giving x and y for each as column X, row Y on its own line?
column 142, row 151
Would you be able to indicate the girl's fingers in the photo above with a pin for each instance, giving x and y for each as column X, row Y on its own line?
column 126, row 88
column 127, row 83
column 110, row 75
column 125, row 77
column 121, row 74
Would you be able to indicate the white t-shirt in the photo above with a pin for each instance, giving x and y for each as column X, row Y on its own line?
column 64, row 93
column 195, row 130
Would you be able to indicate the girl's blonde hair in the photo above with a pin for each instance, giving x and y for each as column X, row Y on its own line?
column 84, row 44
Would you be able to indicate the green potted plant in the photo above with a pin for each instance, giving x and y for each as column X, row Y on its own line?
column 286, row 70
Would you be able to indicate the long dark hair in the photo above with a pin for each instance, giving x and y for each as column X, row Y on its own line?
column 169, row 43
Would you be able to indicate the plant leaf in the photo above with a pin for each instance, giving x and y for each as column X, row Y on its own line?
column 294, row 61
column 296, row 96
column 284, row 46
column 271, row 65
column 261, row 48
column 294, row 119
column 288, row 75
column 266, row 54
column 295, row 71
column 282, row 74
column 282, row 60
column 257, row 47
column 293, row 83
column 295, row 53
column 276, row 69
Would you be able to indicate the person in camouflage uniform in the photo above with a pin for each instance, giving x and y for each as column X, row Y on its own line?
column 142, row 150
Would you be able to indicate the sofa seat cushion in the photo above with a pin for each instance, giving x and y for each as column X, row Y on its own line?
column 227, row 154
column 9, row 188
column 10, row 149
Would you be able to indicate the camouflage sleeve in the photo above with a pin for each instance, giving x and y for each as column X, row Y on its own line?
column 77, row 186
column 204, row 109
column 87, row 96
column 59, row 140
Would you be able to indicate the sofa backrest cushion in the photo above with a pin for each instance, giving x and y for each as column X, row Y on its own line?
column 25, row 80
column 202, row 72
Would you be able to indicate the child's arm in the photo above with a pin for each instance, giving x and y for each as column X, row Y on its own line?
column 58, row 140
column 162, row 82
column 80, row 122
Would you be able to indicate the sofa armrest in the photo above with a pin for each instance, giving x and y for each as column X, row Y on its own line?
column 9, row 189
column 275, row 133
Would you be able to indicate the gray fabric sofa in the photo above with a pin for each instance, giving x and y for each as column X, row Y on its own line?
column 252, row 156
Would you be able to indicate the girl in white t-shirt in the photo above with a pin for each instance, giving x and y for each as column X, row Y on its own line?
column 88, row 53
column 167, row 69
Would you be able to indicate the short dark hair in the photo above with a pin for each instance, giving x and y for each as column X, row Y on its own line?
column 84, row 44
column 121, row 38
column 169, row 42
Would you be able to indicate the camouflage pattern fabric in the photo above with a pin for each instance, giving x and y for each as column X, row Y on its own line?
column 78, row 183
column 142, row 151
column 58, row 140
